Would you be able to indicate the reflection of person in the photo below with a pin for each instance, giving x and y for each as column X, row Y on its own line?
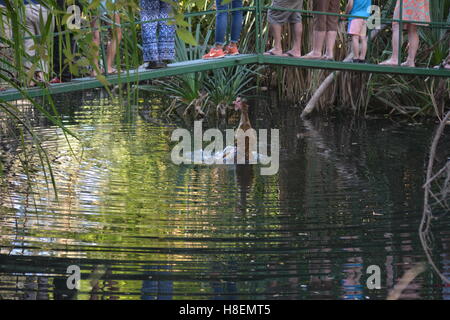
column 157, row 289
column 351, row 284
column 325, row 29
column 412, row 10
column 221, row 28
column 60, row 290
column 277, row 18
column 116, row 37
column 244, row 180
column 158, row 37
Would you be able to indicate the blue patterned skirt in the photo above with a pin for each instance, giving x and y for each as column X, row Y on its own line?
column 158, row 38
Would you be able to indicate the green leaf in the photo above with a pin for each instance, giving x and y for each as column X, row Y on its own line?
column 179, row 18
column 186, row 36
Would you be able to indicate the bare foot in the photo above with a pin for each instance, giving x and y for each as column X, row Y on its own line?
column 94, row 72
column 274, row 52
column 327, row 58
column 408, row 64
column 312, row 56
column 389, row 62
column 447, row 66
column 112, row 70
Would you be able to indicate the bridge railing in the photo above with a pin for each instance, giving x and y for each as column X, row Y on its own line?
column 259, row 8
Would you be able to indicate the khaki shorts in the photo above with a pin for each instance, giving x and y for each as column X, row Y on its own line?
column 281, row 17
column 325, row 22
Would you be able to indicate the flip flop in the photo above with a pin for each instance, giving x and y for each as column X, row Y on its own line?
column 404, row 64
column 311, row 57
column 384, row 63
column 270, row 53
column 289, row 54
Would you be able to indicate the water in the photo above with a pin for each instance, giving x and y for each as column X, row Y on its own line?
column 347, row 195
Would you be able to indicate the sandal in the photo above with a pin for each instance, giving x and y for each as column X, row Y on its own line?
column 271, row 53
column 289, row 54
column 311, row 57
column 112, row 71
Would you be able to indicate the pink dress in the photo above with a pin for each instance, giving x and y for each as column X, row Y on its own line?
column 414, row 10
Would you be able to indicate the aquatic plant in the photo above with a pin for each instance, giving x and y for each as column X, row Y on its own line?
column 202, row 91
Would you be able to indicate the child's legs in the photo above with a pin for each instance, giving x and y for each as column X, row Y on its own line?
column 150, row 11
column 355, row 46
column 363, row 52
column 236, row 22
column 358, row 29
column 221, row 22
column 166, row 37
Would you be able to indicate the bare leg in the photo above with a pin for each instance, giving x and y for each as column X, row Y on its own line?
column 355, row 47
column 96, row 41
column 318, row 40
column 393, row 60
column 296, row 50
column 413, row 40
column 113, row 44
column 331, row 40
column 277, row 50
column 363, row 52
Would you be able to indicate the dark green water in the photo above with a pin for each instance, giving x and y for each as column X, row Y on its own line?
column 348, row 195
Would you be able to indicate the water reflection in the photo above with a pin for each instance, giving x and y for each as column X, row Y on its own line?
column 347, row 196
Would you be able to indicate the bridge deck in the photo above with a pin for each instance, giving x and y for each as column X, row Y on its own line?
column 204, row 65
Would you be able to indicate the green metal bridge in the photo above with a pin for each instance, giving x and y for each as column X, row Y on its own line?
column 134, row 76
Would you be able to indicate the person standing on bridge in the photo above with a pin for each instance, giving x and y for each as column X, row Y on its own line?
column 158, row 37
column 412, row 10
column 325, row 29
column 218, row 50
column 357, row 27
column 277, row 18
column 116, row 36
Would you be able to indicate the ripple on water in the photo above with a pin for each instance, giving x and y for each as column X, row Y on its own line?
column 344, row 198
